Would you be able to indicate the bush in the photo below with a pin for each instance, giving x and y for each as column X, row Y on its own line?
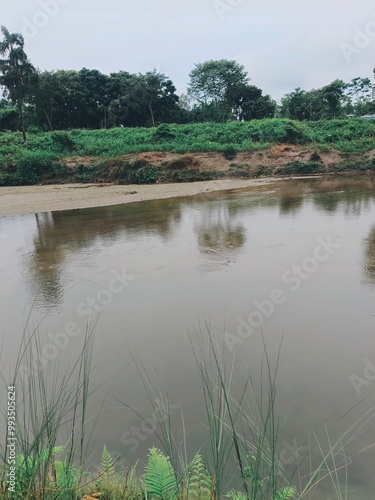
column 315, row 157
column 163, row 133
column 31, row 166
column 148, row 175
column 63, row 141
column 295, row 133
column 87, row 173
column 297, row 167
column 230, row 153
column 262, row 170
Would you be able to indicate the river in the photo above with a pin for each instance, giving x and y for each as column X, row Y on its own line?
column 291, row 265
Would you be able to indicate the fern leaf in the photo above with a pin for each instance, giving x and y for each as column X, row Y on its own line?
column 159, row 476
column 200, row 481
column 286, row 493
column 236, row 495
column 107, row 463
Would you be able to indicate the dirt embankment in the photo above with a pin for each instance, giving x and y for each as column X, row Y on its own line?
column 279, row 160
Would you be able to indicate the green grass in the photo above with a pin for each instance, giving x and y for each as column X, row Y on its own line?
column 241, row 423
column 40, row 161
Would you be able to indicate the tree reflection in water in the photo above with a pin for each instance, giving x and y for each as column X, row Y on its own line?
column 220, row 234
column 369, row 261
column 60, row 235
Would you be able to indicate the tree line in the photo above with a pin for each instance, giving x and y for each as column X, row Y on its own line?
column 217, row 91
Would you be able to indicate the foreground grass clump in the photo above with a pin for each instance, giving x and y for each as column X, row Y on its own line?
column 240, row 460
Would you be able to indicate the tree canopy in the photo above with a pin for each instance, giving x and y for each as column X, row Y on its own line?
column 218, row 90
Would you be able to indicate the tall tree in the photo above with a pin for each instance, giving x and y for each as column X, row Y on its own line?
column 249, row 103
column 17, row 74
column 44, row 98
column 215, row 82
column 360, row 91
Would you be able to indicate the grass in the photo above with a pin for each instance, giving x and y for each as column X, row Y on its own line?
column 41, row 161
column 241, row 422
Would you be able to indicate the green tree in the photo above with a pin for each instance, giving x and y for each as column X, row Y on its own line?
column 333, row 95
column 44, row 98
column 359, row 92
column 94, row 98
column 216, row 83
column 8, row 116
column 249, row 103
column 17, row 74
column 144, row 100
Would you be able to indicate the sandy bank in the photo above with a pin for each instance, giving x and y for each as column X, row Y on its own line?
column 33, row 199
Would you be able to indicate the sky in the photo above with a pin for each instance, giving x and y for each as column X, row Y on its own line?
column 283, row 44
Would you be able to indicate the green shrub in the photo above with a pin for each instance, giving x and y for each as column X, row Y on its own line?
column 315, row 157
column 31, row 166
column 148, row 175
column 87, row 173
column 163, row 133
column 63, row 141
column 297, row 167
column 193, row 175
column 294, row 132
column 230, row 153
column 262, row 170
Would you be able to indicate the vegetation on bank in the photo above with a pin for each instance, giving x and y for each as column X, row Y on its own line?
column 101, row 155
column 239, row 460
column 217, row 91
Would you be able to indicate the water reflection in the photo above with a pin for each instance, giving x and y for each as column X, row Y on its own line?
column 347, row 195
column 292, row 197
column 369, row 262
column 219, row 232
column 219, row 225
column 59, row 235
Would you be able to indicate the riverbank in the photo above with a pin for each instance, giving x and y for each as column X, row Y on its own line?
column 19, row 200
column 187, row 153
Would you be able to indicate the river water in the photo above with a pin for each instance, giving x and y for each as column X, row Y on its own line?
column 290, row 264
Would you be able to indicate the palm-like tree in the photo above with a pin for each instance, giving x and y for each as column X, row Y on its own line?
column 17, row 74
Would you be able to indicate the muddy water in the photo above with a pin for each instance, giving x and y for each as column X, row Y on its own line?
column 291, row 263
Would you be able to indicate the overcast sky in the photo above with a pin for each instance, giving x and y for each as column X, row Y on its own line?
column 283, row 44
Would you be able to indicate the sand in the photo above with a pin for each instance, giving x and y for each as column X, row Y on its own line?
column 34, row 199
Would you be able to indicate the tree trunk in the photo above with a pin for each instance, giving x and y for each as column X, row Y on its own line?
column 152, row 115
column 48, row 120
column 22, row 125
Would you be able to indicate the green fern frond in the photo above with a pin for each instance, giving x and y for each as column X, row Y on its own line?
column 200, row 481
column 107, row 463
column 57, row 450
column 286, row 493
column 159, row 476
column 236, row 495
